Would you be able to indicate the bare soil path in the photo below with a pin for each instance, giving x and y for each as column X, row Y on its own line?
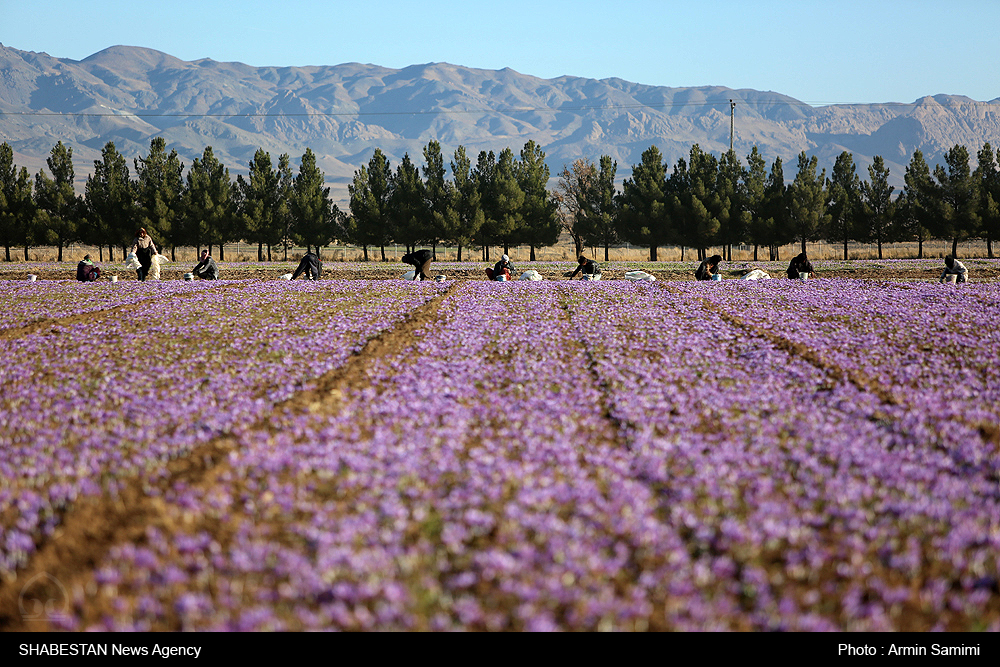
column 62, row 568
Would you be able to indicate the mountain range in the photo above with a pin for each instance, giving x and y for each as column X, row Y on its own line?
column 129, row 95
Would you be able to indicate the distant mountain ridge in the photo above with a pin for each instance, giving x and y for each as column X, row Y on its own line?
column 129, row 95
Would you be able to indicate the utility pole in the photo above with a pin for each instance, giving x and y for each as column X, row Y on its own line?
column 732, row 123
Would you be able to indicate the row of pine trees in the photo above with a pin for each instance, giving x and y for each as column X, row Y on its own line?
column 272, row 207
column 707, row 201
column 502, row 200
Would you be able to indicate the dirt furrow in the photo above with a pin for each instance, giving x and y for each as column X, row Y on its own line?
column 47, row 324
column 989, row 432
column 60, row 572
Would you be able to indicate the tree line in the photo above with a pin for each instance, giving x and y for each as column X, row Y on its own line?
column 272, row 207
column 708, row 201
column 501, row 200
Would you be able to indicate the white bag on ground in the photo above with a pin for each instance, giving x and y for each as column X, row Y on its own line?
column 154, row 267
column 756, row 274
column 409, row 274
column 591, row 276
column 639, row 276
column 530, row 274
column 287, row 276
column 132, row 262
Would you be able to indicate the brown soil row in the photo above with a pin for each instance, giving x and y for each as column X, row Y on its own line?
column 989, row 432
column 61, row 570
column 376, row 271
column 82, row 318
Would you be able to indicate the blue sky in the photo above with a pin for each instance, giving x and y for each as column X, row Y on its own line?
column 818, row 51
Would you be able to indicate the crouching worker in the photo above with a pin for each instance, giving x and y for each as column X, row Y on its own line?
column 953, row 267
column 709, row 269
column 800, row 264
column 87, row 271
column 420, row 260
column 310, row 266
column 206, row 269
column 502, row 270
column 588, row 269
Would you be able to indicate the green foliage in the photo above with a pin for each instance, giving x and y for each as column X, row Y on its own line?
column 314, row 215
column 843, row 205
column 696, row 202
column 597, row 206
column 110, row 195
column 539, row 220
column 987, row 178
column 17, row 207
column 467, row 203
column 734, row 213
column 956, row 198
column 159, row 188
column 504, row 200
column 754, row 188
column 501, row 198
column 371, row 194
column 411, row 215
column 644, row 218
column 807, row 199
column 878, row 207
column 59, row 210
column 915, row 213
column 208, row 203
column 259, row 203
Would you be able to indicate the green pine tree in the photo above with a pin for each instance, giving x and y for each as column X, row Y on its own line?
column 987, row 176
column 371, row 193
column 843, row 207
column 539, row 222
column 878, row 207
column 160, row 186
column 467, row 203
column 59, row 209
column 208, row 203
column 696, row 203
column 259, row 200
column 598, row 207
column 411, row 215
column 754, row 186
column 17, row 206
column 807, row 199
column 957, row 199
column 644, row 218
column 314, row 213
column 110, row 195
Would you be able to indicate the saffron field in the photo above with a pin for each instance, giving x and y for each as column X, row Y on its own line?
column 269, row 455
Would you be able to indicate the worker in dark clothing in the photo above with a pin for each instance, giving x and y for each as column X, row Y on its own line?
column 87, row 271
column 206, row 269
column 708, row 269
column 310, row 266
column 421, row 262
column 587, row 267
column 799, row 264
column 502, row 270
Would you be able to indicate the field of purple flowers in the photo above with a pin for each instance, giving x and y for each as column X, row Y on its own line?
column 782, row 455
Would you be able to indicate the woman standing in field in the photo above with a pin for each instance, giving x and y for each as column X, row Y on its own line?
column 144, row 250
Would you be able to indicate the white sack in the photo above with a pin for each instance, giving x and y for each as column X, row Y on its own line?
column 530, row 274
column 756, row 274
column 639, row 276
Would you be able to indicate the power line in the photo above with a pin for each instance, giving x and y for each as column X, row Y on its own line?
column 505, row 110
